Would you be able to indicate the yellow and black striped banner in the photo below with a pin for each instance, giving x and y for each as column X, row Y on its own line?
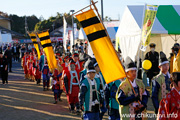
column 102, row 47
column 48, row 49
column 35, row 43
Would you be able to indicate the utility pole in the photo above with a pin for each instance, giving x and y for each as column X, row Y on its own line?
column 26, row 26
column 102, row 16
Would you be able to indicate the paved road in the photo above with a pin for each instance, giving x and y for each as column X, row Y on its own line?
column 24, row 100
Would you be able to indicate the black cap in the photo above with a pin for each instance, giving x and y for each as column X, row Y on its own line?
column 176, row 45
column 94, row 62
column 175, row 77
column 152, row 45
column 91, row 69
column 71, row 61
column 162, row 59
column 88, row 63
column 129, row 64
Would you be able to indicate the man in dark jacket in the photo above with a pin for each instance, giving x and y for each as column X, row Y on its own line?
column 3, row 68
column 153, row 56
column 8, row 55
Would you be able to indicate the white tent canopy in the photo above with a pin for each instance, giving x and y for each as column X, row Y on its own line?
column 82, row 34
column 112, row 27
column 129, row 33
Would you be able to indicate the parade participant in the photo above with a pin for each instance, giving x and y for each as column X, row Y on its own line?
column 58, row 55
column 89, row 96
column 131, row 95
column 46, row 75
column 153, row 56
column 42, row 60
column 79, row 64
column 30, row 67
column 161, row 82
column 71, row 83
column 170, row 105
column 3, row 68
column 89, row 62
column 110, row 97
column 102, row 88
column 59, row 75
column 24, row 64
column 65, row 64
column 34, row 58
column 56, row 86
column 37, row 72
column 176, row 61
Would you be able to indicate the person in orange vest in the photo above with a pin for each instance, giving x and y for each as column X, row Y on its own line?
column 171, row 59
column 176, row 61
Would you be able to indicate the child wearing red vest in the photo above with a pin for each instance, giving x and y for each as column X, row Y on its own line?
column 24, row 64
column 71, row 82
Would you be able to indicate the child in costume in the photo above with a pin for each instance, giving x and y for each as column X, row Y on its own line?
column 71, row 82
column 56, row 86
column 90, row 96
column 24, row 64
column 46, row 76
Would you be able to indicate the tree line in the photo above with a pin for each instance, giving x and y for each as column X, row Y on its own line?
column 39, row 24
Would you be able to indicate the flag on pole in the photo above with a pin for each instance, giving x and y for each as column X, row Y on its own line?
column 102, row 47
column 64, row 32
column 35, row 43
column 48, row 49
column 71, row 39
column 150, row 15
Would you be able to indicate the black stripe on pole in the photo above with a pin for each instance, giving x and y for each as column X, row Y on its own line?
column 46, row 45
column 90, row 21
column 96, row 35
column 44, row 38
column 33, row 37
column 35, row 42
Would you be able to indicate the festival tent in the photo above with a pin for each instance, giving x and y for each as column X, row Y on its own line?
column 164, row 31
column 112, row 27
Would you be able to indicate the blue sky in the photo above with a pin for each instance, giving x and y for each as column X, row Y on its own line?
column 47, row 8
